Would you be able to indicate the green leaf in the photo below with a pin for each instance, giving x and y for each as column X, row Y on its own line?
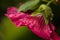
column 29, row 5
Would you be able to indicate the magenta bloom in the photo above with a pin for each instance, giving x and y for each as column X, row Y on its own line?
column 35, row 23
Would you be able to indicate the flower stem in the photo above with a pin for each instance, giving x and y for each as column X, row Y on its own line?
column 49, row 2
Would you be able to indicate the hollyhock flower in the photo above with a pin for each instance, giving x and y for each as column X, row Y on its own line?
column 35, row 23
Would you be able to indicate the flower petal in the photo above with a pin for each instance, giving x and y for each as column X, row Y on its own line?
column 35, row 23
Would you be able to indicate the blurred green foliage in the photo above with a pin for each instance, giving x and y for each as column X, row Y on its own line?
column 10, row 32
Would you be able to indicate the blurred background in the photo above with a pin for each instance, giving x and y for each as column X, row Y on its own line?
column 8, row 30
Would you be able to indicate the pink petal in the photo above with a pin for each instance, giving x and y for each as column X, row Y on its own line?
column 35, row 23
column 54, row 36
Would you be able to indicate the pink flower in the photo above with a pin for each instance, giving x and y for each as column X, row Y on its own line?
column 35, row 23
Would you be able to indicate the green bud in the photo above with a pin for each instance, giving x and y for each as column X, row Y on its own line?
column 47, row 12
